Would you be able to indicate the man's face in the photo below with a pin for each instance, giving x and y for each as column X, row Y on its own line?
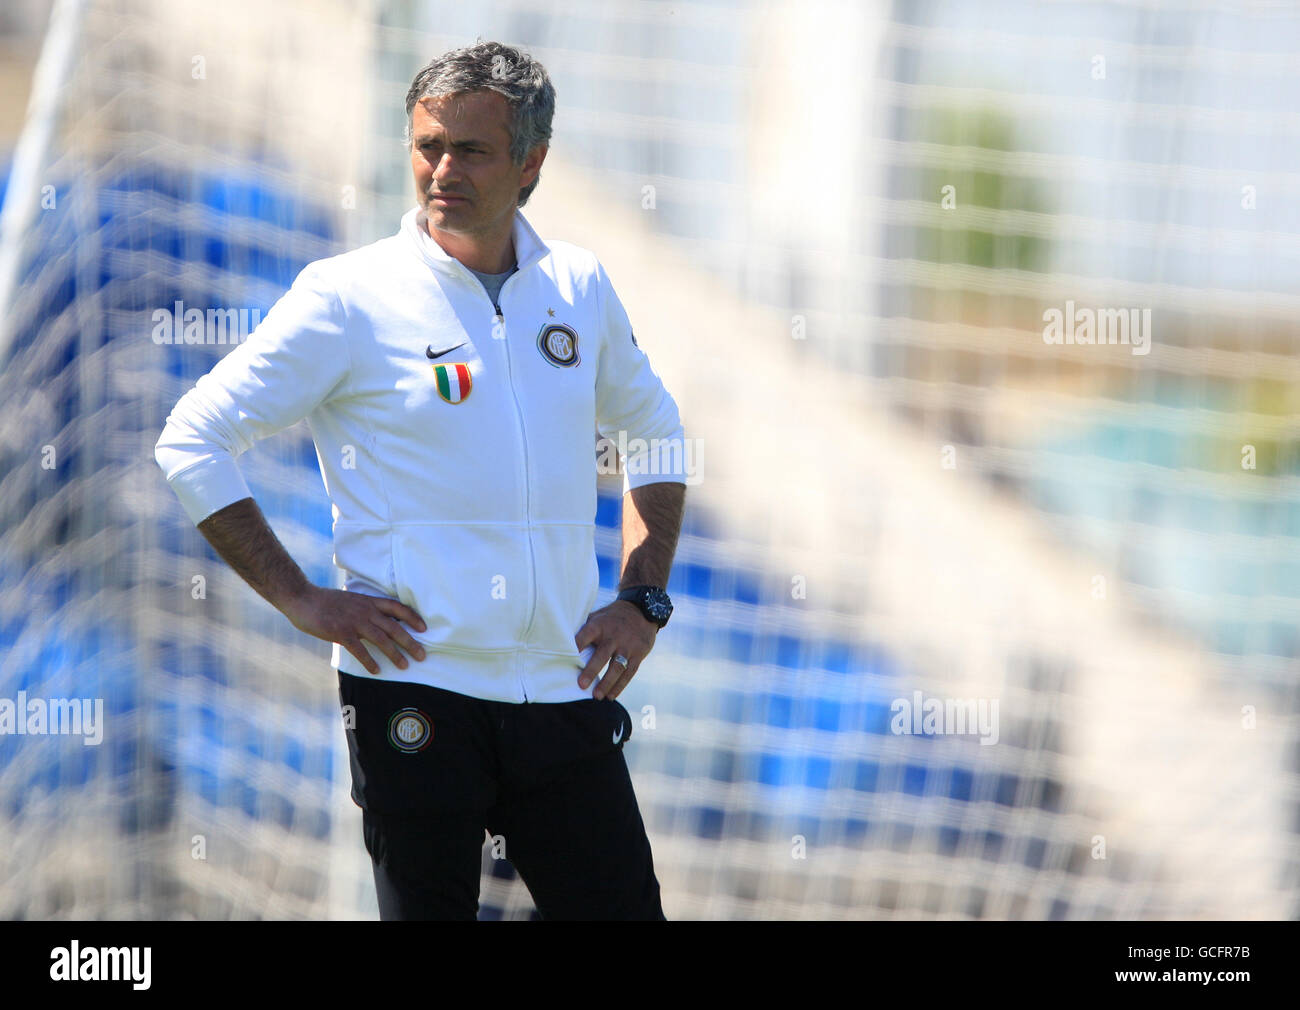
column 460, row 154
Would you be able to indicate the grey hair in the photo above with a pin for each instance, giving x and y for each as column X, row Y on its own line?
column 491, row 66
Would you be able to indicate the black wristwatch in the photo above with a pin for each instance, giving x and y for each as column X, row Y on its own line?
column 652, row 601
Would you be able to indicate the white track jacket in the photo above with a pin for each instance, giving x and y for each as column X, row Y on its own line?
column 457, row 448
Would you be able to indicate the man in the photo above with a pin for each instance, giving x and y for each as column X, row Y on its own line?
column 453, row 376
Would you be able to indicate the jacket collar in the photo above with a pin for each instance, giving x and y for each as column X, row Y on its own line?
column 529, row 247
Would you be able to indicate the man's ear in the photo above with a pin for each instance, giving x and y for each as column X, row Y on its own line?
column 533, row 164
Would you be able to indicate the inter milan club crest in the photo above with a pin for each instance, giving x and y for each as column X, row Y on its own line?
column 558, row 344
column 410, row 730
column 454, row 381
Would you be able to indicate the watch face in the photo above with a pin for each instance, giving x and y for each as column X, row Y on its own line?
column 658, row 605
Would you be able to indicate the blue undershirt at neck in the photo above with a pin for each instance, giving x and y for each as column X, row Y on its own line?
column 492, row 282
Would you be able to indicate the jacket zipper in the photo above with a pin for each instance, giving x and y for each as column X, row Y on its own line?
column 523, row 439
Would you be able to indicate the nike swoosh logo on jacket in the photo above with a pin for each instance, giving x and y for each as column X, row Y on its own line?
column 475, row 508
column 433, row 355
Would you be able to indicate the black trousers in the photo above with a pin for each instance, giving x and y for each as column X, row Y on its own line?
column 432, row 769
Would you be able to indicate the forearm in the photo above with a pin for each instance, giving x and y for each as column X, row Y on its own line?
column 652, row 522
column 240, row 534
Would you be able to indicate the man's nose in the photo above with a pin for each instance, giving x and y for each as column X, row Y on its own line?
column 446, row 168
